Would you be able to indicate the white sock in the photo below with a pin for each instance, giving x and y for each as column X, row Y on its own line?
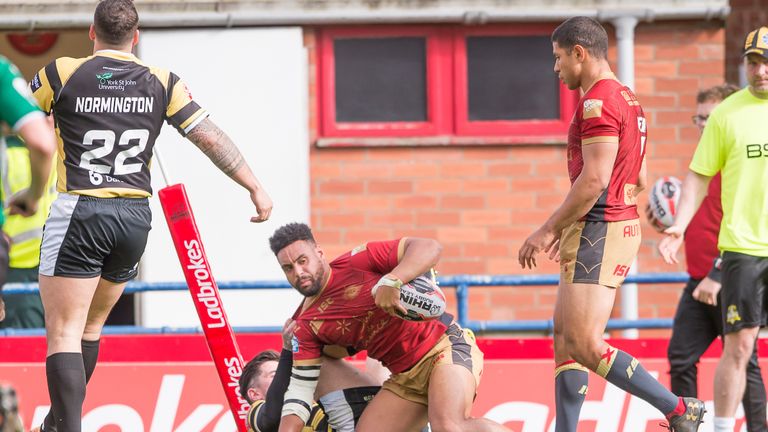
column 724, row 424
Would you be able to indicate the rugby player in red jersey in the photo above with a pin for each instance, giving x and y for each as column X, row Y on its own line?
column 435, row 361
column 596, row 231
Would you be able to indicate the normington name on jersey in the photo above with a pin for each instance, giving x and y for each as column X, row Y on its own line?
column 126, row 104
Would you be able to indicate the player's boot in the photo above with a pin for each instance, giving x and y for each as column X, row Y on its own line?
column 690, row 420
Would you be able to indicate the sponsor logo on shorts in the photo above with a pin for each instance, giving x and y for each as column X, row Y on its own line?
column 632, row 230
column 732, row 315
column 621, row 270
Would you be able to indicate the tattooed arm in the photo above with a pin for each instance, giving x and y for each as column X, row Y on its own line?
column 224, row 154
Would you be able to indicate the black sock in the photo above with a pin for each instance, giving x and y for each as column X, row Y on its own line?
column 570, row 389
column 626, row 373
column 66, row 386
column 90, row 355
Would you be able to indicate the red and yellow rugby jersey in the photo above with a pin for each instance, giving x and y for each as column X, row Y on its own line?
column 610, row 112
column 343, row 313
column 108, row 110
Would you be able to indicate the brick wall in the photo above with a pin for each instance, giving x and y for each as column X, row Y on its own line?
column 482, row 202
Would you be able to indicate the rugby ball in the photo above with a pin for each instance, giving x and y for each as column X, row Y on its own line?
column 665, row 195
column 422, row 299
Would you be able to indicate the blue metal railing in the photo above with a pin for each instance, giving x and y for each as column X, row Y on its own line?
column 462, row 283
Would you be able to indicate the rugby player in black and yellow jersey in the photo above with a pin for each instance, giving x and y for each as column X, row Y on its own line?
column 108, row 110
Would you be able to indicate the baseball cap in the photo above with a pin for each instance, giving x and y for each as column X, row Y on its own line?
column 757, row 42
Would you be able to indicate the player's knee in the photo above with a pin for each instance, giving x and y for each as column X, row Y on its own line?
column 91, row 334
column 740, row 348
column 92, row 329
column 61, row 331
column 582, row 349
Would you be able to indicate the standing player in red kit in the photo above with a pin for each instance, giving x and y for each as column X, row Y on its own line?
column 596, row 231
column 436, row 365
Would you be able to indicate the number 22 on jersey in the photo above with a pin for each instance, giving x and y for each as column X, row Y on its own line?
column 135, row 138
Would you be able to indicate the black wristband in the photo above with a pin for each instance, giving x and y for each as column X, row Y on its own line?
column 716, row 274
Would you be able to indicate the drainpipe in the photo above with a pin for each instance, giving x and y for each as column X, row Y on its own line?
column 625, row 41
column 294, row 16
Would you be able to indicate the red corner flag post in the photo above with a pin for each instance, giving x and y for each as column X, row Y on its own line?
column 205, row 294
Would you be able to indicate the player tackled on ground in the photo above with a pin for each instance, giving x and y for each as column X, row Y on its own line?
column 435, row 360
column 343, row 391
column 596, row 231
column 108, row 110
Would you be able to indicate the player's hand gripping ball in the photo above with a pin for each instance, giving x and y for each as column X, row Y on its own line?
column 422, row 299
column 664, row 198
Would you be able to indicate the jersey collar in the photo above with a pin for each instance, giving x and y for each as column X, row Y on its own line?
column 115, row 53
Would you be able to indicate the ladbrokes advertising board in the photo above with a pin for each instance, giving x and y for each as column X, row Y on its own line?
column 185, row 396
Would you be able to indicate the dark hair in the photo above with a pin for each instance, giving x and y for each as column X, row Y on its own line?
column 253, row 368
column 288, row 234
column 583, row 31
column 717, row 93
column 115, row 21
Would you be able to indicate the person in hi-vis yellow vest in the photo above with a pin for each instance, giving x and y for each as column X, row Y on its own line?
column 23, row 233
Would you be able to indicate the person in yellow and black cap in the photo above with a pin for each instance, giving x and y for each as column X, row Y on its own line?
column 734, row 144
column 757, row 42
